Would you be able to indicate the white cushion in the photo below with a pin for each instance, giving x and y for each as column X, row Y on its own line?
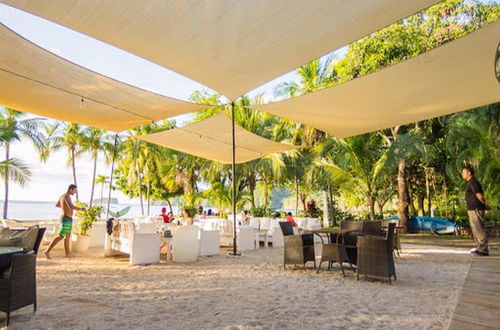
column 265, row 223
column 209, row 242
column 246, row 238
column 145, row 249
column 185, row 244
column 255, row 223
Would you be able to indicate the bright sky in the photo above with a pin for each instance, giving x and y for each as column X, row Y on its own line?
column 49, row 180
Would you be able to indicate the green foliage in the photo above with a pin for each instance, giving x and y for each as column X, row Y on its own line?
column 260, row 212
column 87, row 217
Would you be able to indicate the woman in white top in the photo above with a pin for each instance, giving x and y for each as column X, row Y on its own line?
column 186, row 218
column 245, row 219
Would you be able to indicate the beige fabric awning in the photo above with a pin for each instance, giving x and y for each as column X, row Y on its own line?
column 211, row 139
column 230, row 46
column 457, row 76
column 37, row 81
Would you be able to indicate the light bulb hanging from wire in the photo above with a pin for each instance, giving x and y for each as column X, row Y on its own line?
column 82, row 104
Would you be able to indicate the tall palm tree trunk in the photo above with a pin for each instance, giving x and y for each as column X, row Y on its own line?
column 170, row 206
column 371, row 205
column 403, row 195
column 148, row 196
column 296, row 197
column 428, row 194
column 74, row 169
column 93, row 181
column 6, row 182
column 139, row 183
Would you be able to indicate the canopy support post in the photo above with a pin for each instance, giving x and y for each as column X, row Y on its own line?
column 111, row 176
column 233, row 179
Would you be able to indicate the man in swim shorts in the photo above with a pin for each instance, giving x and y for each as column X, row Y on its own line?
column 66, row 224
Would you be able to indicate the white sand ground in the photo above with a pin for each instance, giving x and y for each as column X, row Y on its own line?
column 252, row 291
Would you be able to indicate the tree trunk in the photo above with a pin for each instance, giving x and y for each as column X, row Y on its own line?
column 403, row 195
column 420, row 203
column 303, row 199
column 148, row 195
column 6, row 182
column 326, row 213
column 380, row 207
column 93, row 181
column 74, row 169
column 332, row 205
column 139, row 184
column 411, row 205
column 428, row 194
column 251, row 187
column 371, row 204
column 296, row 197
column 170, row 206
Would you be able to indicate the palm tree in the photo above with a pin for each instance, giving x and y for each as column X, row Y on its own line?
column 13, row 127
column 70, row 136
column 92, row 143
column 358, row 160
column 102, row 180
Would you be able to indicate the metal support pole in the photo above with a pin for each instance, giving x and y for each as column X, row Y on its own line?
column 233, row 179
column 111, row 176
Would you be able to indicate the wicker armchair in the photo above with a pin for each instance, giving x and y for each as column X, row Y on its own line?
column 352, row 225
column 397, row 238
column 375, row 255
column 299, row 249
column 18, row 284
column 334, row 251
column 39, row 239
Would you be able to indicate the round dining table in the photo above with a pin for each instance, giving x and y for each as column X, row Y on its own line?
column 6, row 253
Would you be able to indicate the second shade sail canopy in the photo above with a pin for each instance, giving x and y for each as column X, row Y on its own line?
column 212, row 139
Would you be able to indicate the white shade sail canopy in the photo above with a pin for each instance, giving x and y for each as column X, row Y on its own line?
column 230, row 46
column 211, row 138
column 37, row 81
column 457, row 76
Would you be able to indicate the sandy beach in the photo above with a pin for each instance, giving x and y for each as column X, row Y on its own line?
column 253, row 291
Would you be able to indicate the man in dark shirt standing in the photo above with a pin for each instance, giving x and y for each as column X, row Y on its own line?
column 476, row 205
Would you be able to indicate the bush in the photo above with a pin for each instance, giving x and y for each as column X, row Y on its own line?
column 260, row 212
column 87, row 217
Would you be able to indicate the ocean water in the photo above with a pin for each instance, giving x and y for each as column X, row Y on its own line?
column 27, row 210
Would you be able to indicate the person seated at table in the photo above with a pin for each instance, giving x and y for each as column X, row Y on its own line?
column 209, row 213
column 186, row 218
column 164, row 215
column 245, row 219
column 290, row 219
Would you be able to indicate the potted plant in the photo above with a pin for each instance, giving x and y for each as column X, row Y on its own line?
column 86, row 218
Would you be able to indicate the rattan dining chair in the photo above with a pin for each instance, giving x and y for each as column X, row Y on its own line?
column 375, row 255
column 299, row 249
column 18, row 284
column 334, row 251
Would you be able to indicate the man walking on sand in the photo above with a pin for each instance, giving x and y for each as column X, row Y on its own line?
column 66, row 225
column 476, row 206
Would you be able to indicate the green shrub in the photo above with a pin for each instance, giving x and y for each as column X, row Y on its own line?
column 87, row 217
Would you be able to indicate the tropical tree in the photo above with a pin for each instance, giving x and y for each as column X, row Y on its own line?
column 102, row 180
column 92, row 143
column 64, row 135
column 357, row 161
column 14, row 126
